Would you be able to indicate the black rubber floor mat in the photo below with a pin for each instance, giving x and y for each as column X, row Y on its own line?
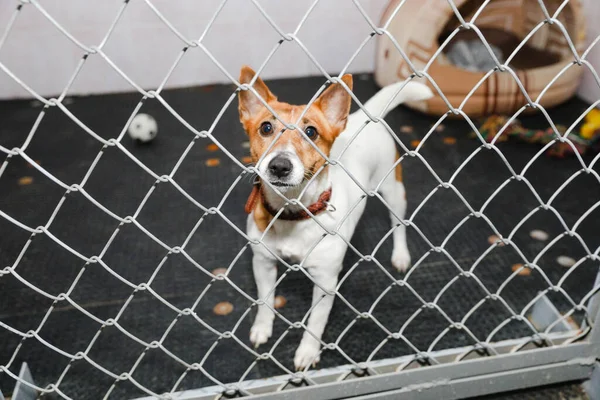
column 569, row 391
column 120, row 185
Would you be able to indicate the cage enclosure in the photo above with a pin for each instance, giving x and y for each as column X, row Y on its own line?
column 126, row 268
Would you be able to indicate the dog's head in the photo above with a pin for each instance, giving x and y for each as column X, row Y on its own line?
column 291, row 160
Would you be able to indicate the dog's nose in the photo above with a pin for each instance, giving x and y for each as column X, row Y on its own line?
column 280, row 167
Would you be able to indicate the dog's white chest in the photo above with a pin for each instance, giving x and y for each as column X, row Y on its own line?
column 297, row 241
column 293, row 241
column 291, row 250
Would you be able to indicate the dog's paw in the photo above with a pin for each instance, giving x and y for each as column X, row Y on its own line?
column 401, row 259
column 307, row 354
column 260, row 333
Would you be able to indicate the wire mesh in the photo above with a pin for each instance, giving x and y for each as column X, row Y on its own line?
column 137, row 289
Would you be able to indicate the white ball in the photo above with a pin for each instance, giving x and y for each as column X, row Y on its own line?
column 143, row 127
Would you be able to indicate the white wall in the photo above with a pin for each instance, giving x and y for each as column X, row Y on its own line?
column 589, row 90
column 144, row 48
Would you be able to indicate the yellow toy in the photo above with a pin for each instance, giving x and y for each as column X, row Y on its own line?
column 591, row 126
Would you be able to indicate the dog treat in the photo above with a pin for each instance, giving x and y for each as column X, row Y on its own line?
column 493, row 239
column 218, row 271
column 223, row 308
column 212, row 147
column 406, row 129
column 25, row 180
column 565, row 261
column 212, row 162
column 449, row 140
column 538, row 235
column 280, row 301
column 523, row 272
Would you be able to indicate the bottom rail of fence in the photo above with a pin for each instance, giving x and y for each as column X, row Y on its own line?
column 518, row 363
column 481, row 385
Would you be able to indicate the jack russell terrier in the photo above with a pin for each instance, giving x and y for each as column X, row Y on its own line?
column 291, row 164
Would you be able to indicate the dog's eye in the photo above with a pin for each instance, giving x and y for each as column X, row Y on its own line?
column 311, row 132
column 266, row 128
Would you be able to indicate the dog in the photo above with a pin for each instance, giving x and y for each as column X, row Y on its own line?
column 293, row 167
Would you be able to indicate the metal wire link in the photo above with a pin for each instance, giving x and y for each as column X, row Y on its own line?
column 463, row 269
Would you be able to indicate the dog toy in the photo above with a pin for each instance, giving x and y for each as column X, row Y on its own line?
column 591, row 127
column 143, row 128
column 491, row 126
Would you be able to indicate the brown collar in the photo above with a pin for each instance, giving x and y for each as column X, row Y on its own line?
column 315, row 208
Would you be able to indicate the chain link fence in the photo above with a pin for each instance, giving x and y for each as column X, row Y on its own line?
column 543, row 348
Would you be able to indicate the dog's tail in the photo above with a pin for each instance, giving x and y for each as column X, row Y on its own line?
column 412, row 91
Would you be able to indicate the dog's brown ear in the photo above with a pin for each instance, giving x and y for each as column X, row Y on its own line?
column 335, row 103
column 249, row 103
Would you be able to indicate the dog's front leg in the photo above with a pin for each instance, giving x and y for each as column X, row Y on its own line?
column 322, row 301
column 265, row 275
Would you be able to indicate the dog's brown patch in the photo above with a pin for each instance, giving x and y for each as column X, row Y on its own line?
column 398, row 168
column 262, row 218
column 252, row 199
